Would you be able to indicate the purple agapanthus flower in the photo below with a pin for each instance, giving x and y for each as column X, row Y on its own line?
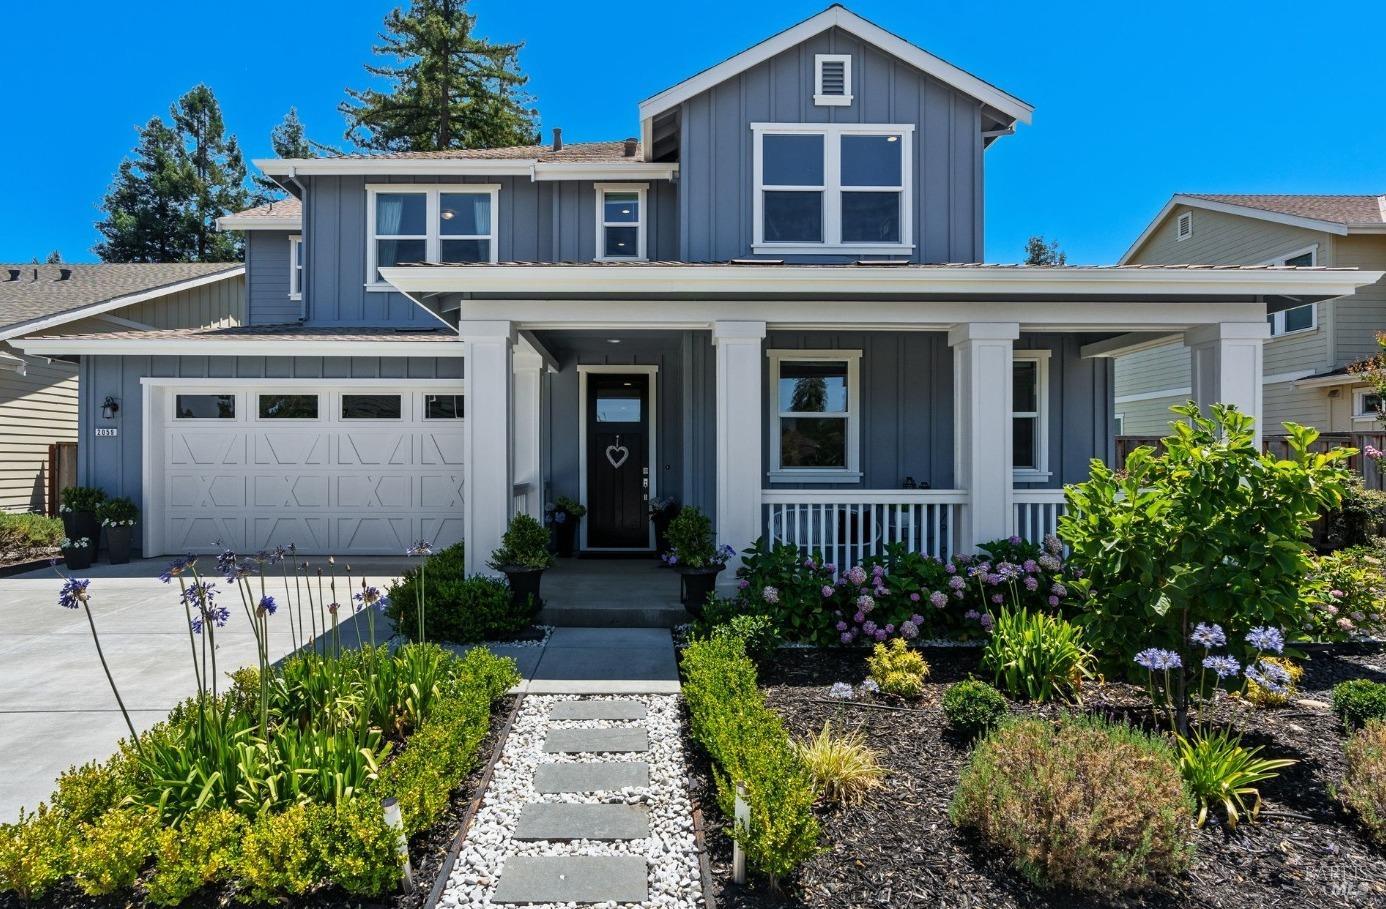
column 950, row 568
column 1157, row 660
column 177, row 567
column 420, row 548
column 267, row 605
column 1224, row 666
column 74, row 593
column 742, row 584
column 1270, row 676
column 998, row 599
column 986, row 621
column 1267, row 639
column 840, row 690
column 1059, row 590
column 217, row 615
column 1208, row 636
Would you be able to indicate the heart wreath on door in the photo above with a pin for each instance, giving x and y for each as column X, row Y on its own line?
column 617, row 454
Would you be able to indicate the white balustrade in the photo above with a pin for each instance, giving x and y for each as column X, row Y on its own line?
column 847, row 525
column 1037, row 513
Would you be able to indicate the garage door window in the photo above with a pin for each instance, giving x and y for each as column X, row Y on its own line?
column 288, row 407
column 443, row 407
column 370, row 407
column 205, row 407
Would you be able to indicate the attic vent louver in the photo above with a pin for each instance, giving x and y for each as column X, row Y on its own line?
column 1184, row 226
column 832, row 83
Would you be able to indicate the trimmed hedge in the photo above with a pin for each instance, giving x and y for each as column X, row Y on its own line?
column 748, row 745
column 1358, row 701
column 460, row 609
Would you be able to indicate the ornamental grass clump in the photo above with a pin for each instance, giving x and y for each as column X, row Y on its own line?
column 1080, row 803
column 897, row 670
column 844, row 769
column 1037, row 656
column 1364, row 783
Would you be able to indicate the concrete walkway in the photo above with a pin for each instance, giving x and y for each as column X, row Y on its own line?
column 56, row 708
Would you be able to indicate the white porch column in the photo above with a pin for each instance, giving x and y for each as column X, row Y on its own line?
column 487, row 438
column 529, row 370
column 982, row 461
column 740, row 430
column 1225, row 360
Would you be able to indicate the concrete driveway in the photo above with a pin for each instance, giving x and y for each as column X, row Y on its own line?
column 56, row 707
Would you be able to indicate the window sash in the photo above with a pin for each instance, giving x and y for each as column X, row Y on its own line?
column 850, row 418
column 296, row 268
column 1032, row 465
column 640, row 191
column 433, row 237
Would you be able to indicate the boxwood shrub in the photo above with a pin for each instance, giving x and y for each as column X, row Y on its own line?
column 748, row 745
column 1358, row 701
column 460, row 609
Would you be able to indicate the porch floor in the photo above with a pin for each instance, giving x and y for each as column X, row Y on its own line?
column 612, row 593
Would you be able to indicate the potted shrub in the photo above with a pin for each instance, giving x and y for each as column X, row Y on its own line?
column 80, row 511
column 77, row 552
column 694, row 554
column 118, row 517
column 522, row 557
column 662, row 511
column 564, row 515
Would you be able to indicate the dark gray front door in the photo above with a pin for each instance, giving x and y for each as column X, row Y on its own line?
column 618, row 468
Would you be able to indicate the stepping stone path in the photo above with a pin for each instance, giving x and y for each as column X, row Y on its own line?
column 587, row 805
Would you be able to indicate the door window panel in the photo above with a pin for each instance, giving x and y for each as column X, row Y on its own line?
column 288, row 407
column 205, row 407
column 371, row 407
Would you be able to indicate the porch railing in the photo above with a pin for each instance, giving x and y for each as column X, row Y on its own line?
column 519, row 498
column 847, row 525
column 1037, row 512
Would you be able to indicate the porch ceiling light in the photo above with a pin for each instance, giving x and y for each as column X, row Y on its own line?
column 613, row 340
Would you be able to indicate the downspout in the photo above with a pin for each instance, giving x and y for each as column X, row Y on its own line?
column 302, row 241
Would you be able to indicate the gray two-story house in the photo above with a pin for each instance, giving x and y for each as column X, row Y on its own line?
column 768, row 304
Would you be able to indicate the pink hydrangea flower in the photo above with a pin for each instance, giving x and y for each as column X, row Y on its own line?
column 1053, row 601
column 827, row 591
column 914, row 597
column 856, row 575
column 770, row 595
column 939, row 599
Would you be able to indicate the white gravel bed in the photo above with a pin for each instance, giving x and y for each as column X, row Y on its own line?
column 674, row 874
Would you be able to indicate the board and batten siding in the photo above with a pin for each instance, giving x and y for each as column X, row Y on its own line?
column 267, row 274
column 545, row 221
column 115, row 463
column 716, row 153
column 1357, row 318
column 36, row 409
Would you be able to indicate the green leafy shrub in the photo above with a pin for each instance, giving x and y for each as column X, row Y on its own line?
column 1219, row 771
column 86, row 792
column 24, row 532
column 357, row 846
column 1347, row 593
column 203, row 849
column 1037, row 656
column 1359, row 519
column 82, row 498
column 756, row 633
column 1079, row 803
column 1358, row 701
column 1165, row 544
column 33, row 853
column 779, row 582
column 460, row 609
column 279, row 856
column 1364, row 783
column 898, row 670
column 109, row 854
column 524, row 546
column 973, row 707
column 119, row 511
column 748, row 745
column 843, row 768
column 692, row 543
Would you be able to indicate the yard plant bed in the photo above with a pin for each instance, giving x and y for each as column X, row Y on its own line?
column 899, row 849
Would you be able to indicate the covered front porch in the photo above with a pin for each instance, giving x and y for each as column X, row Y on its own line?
column 839, row 409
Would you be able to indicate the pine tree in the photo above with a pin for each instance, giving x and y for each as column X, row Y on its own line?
column 1038, row 252
column 288, row 141
column 165, row 199
column 55, row 258
column 450, row 88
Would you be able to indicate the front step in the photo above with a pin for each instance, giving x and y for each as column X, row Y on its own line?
column 615, row 615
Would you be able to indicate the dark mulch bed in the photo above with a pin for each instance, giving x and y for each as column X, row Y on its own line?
column 900, row 850
column 427, row 852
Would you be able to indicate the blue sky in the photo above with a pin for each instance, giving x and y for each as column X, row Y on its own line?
column 1211, row 96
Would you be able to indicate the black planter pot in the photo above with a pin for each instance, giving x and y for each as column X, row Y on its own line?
column 83, row 524
column 118, row 544
column 698, row 585
column 524, row 588
column 78, row 558
column 565, row 536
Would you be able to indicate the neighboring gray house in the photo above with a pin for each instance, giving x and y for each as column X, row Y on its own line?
column 38, row 395
column 768, row 304
column 1311, row 343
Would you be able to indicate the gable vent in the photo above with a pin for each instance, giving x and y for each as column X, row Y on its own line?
column 832, row 80
column 1185, row 227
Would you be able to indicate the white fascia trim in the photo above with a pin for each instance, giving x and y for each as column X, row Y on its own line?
column 1337, row 381
column 231, row 222
column 1183, row 393
column 96, row 309
column 865, row 280
column 1328, row 227
column 280, row 347
column 308, row 167
column 848, row 21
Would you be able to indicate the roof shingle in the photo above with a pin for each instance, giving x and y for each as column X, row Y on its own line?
column 1351, row 209
column 32, row 292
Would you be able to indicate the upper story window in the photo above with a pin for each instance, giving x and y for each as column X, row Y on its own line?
column 1030, row 415
column 832, row 188
column 832, row 80
column 1296, row 318
column 815, row 426
column 450, row 223
column 296, row 267
column 621, row 220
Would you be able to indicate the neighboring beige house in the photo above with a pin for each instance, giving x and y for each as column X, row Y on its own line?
column 38, row 396
column 1306, row 379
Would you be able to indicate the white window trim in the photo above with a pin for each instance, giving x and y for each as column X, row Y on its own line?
column 432, row 238
column 1277, row 320
column 1180, row 234
column 832, row 188
column 1040, row 472
column 1360, row 413
column 842, row 100
column 851, row 473
column 642, row 191
column 296, row 267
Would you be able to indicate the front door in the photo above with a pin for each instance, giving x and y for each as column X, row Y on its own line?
column 618, row 465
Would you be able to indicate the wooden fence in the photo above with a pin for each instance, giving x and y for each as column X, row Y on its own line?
column 62, row 472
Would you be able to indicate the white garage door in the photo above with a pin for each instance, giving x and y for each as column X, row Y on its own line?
column 346, row 469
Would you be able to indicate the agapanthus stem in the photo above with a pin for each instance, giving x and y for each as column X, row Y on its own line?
column 284, row 573
column 134, row 736
column 421, row 599
column 192, row 642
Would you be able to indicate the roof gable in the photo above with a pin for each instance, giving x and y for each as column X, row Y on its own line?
column 848, row 21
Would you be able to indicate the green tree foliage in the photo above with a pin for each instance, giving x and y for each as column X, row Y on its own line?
column 1038, row 251
column 166, row 197
column 288, row 140
column 448, row 89
column 1211, row 529
column 55, row 258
